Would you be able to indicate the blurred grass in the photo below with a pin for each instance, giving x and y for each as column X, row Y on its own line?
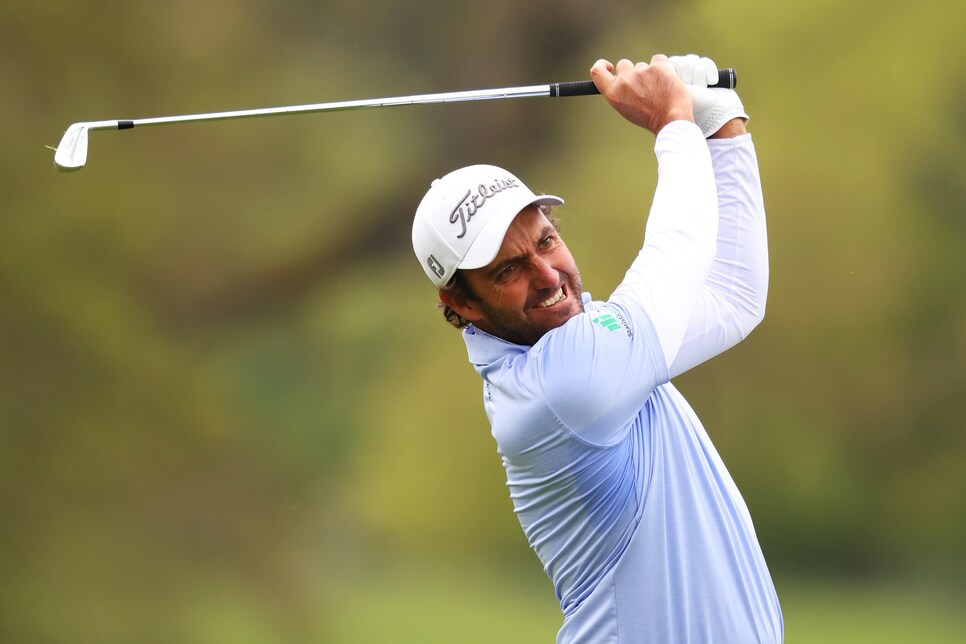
column 435, row 604
column 849, row 612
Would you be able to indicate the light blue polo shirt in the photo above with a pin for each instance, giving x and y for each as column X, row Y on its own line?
column 618, row 488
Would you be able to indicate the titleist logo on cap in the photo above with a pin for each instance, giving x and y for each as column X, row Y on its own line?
column 470, row 204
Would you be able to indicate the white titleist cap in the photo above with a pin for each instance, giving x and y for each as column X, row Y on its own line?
column 461, row 221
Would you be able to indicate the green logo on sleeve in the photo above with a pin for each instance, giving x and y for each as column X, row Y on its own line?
column 608, row 321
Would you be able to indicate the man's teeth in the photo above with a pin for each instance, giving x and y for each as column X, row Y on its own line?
column 553, row 300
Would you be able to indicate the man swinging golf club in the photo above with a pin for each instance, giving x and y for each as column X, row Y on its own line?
column 614, row 480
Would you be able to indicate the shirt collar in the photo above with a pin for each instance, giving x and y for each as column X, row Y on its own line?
column 485, row 349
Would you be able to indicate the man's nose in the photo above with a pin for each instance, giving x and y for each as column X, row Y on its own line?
column 544, row 274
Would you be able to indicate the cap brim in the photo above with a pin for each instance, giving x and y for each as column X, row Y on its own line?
column 488, row 241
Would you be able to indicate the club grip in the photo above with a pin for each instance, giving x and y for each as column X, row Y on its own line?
column 727, row 78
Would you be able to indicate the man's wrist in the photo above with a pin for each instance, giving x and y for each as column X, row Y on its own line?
column 687, row 118
column 731, row 129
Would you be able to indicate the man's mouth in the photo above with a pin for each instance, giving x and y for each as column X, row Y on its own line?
column 559, row 296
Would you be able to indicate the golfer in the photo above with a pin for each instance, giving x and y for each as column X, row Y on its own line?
column 615, row 482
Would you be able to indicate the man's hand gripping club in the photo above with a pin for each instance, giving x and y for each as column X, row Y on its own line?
column 647, row 97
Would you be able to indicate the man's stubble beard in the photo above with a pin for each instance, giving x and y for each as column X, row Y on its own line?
column 518, row 329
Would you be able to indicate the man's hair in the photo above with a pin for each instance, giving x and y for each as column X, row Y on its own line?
column 459, row 288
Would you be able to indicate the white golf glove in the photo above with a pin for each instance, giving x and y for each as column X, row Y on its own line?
column 713, row 106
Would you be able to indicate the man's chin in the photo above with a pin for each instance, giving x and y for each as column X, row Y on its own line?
column 560, row 314
column 565, row 310
column 545, row 320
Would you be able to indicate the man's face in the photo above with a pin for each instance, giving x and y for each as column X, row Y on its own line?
column 531, row 287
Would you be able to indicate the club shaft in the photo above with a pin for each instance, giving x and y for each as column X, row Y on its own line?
column 342, row 106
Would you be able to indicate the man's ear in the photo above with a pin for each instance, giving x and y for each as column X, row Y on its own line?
column 463, row 306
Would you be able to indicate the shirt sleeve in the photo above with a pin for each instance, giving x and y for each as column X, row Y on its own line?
column 667, row 278
column 732, row 301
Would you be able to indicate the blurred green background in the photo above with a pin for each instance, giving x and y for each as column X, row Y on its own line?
column 231, row 413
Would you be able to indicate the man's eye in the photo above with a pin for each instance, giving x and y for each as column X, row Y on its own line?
column 508, row 270
column 546, row 241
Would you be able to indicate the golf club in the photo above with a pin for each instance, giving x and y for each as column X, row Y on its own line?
column 71, row 154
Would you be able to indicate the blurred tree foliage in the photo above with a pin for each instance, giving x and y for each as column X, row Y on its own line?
column 225, row 393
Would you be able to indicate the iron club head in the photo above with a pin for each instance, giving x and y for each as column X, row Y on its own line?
column 72, row 152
